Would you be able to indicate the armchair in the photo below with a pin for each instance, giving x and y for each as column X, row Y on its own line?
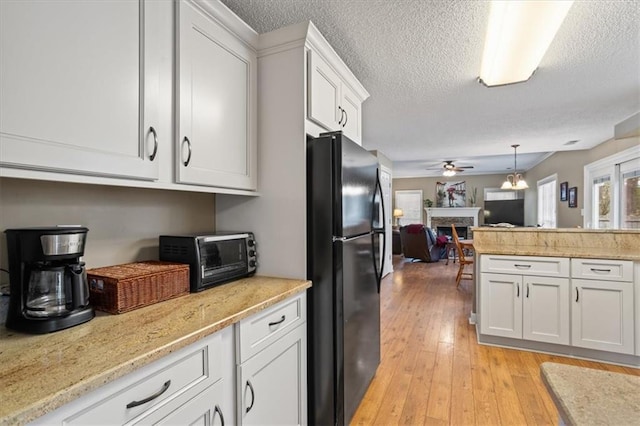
column 419, row 243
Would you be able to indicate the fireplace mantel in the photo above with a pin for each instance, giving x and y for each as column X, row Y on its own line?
column 472, row 212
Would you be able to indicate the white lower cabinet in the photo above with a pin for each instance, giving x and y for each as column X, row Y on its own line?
column 272, row 382
column 186, row 387
column 593, row 309
column 205, row 409
column 602, row 307
column 525, row 307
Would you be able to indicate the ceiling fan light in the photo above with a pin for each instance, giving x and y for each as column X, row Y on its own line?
column 518, row 36
column 449, row 173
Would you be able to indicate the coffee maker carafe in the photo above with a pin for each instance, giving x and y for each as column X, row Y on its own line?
column 48, row 281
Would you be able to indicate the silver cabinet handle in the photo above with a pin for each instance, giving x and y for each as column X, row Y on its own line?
column 346, row 118
column 155, row 143
column 280, row 321
column 253, row 396
column 188, row 142
column 219, row 411
column 577, row 294
column 520, row 266
column 518, row 288
column 165, row 387
column 341, row 115
column 527, row 290
column 600, row 270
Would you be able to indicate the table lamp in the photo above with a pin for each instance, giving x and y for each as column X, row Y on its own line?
column 397, row 214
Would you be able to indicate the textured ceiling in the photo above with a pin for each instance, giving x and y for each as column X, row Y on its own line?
column 420, row 59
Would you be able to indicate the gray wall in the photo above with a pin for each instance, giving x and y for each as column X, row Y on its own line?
column 569, row 165
column 124, row 223
column 428, row 187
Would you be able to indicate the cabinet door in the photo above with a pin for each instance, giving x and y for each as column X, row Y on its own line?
column 324, row 96
column 79, row 87
column 602, row 315
column 216, row 104
column 501, row 305
column 546, row 309
column 205, row 409
column 351, row 120
column 272, row 384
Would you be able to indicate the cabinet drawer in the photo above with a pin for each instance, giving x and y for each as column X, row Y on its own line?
column 196, row 369
column 527, row 265
column 596, row 269
column 260, row 330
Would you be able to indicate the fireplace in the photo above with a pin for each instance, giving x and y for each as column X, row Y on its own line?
column 446, row 230
column 463, row 218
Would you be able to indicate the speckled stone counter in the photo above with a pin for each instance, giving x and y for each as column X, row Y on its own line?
column 40, row 373
column 585, row 396
column 558, row 242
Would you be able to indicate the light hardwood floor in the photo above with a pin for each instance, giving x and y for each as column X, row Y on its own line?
column 434, row 372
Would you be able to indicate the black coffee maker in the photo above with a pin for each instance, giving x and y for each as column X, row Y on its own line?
column 48, row 281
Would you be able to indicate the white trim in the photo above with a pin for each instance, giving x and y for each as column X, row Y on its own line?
column 544, row 181
column 472, row 212
column 605, row 166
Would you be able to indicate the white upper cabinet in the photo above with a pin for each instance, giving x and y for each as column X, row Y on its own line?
column 331, row 103
column 79, row 82
column 216, row 106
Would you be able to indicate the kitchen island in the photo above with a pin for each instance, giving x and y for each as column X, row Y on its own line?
column 573, row 292
column 43, row 372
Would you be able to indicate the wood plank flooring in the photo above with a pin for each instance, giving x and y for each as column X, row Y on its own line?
column 433, row 372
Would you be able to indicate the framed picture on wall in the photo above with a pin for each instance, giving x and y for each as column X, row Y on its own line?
column 563, row 191
column 573, row 196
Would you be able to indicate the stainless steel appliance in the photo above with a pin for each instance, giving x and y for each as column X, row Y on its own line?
column 47, row 279
column 345, row 222
column 213, row 258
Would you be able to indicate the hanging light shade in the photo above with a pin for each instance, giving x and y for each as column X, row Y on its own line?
column 449, row 173
column 515, row 180
column 518, row 35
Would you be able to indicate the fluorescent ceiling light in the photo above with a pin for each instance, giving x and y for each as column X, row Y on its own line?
column 518, row 35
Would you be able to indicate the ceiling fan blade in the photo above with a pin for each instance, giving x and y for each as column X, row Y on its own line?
column 464, row 167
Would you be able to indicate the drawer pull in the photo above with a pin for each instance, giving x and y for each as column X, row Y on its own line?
column 577, row 294
column 280, row 321
column 253, row 396
column 165, row 387
column 219, row 411
column 606, row 271
column 521, row 266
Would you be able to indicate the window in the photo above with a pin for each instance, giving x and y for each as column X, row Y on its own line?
column 612, row 196
column 547, row 204
column 410, row 201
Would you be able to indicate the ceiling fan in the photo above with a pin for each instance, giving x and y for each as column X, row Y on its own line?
column 450, row 169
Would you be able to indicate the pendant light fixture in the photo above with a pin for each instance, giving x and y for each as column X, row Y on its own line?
column 515, row 180
column 518, row 36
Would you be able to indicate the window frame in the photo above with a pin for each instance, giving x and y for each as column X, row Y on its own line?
column 608, row 166
column 545, row 181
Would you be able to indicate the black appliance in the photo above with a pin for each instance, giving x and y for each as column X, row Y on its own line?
column 47, row 279
column 504, row 211
column 213, row 258
column 345, row 227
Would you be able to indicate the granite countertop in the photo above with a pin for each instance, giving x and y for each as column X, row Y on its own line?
column 585, row 396
column 578, row 252
column 43, row 372
column 616, row 244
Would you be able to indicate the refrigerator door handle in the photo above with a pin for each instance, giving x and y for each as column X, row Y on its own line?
column 378, row 230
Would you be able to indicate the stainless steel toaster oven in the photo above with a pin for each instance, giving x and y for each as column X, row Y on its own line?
column 213, row 258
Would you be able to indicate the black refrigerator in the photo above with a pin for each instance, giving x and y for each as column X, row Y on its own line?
column 345, row 230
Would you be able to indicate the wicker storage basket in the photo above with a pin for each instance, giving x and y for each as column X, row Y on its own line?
column 122, row 288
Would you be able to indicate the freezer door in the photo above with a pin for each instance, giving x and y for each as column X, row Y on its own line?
column 354, row 187
column 358, row 324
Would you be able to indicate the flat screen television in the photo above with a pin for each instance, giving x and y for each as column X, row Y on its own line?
column 504, row 211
